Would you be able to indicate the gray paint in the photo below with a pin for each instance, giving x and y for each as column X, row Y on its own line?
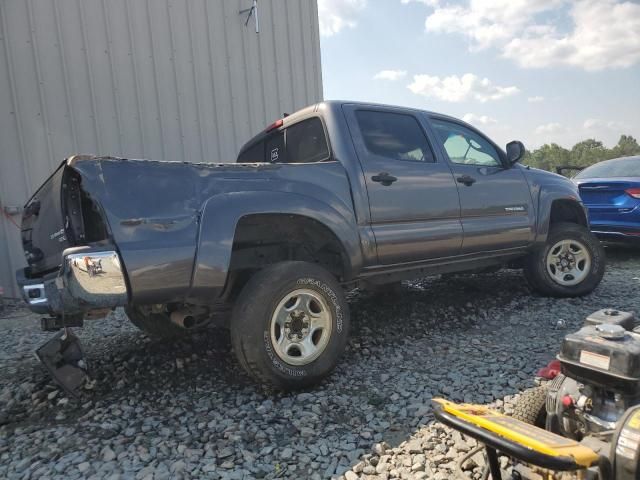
column 174, row 224
column 170, row 79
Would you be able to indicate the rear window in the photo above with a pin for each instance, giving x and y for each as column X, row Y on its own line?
column 253, row 154
column 393, row 135
column 306, row 142
column 622, row 167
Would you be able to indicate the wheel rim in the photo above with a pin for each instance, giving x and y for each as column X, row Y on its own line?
column 568, row 262
column 301, row 327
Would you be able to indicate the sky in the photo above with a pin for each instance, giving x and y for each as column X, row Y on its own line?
column 539, row 71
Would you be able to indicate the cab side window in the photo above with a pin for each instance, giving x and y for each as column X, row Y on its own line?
column 464, row 146
column 396, row 136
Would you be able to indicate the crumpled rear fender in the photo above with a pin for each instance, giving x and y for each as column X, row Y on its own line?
column 221, row 214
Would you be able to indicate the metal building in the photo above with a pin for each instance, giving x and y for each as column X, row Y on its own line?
column 164, row 79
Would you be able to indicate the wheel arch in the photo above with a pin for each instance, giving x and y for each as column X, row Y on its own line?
column 556, row 207
column 231, row 221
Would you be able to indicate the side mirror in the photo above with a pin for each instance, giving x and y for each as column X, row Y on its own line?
column 515, row 152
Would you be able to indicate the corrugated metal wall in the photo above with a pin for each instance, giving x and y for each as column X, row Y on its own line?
column 164, row 79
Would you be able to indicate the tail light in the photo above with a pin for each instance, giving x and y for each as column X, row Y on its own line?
column 274, row 125
column 634, row 192
column 551, row 371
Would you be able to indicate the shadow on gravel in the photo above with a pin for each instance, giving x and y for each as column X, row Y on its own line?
column 186, row 408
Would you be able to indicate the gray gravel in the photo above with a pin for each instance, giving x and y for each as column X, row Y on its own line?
column 179, row 410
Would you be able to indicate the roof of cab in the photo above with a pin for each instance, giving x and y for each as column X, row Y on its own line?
column 336, row 104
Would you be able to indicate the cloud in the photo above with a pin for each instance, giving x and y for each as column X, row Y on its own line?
column 602, row 33
column 478, row 119
column 389, row 74
column 535, row 99
column 429, row 3
column 334, row 15
column 459, row 89
column 550, row 128
column 597, row 124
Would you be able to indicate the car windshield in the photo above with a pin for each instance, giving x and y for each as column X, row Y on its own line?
column 620, row 167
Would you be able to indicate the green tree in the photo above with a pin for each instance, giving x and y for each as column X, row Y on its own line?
column 627, row 146
column 582, row 154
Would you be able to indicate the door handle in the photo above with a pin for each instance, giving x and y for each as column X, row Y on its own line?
column 384, row 178
column 468, row 180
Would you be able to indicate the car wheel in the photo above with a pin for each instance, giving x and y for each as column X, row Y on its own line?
column 290, row 325
column 570, row 264
column 158, row 324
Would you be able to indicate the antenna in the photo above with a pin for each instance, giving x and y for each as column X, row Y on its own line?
column 253, row 10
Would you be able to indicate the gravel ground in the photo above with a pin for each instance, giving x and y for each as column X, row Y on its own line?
column 179, row 410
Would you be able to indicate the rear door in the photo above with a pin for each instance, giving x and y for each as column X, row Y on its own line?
column 413, row 200
column 496, row 205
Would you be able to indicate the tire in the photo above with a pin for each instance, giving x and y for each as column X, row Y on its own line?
column 278, row 350
column 574, row 242
column 530, row 407
column 157, row 325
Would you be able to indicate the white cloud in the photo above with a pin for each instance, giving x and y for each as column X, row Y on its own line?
column 602, row 34
column 596, row 124
column 478, row 119
column 488, row 23
column 535, row 99
column 429, row 3
column 458, row 89
column 390, row 75
column 334, row 15
column 550, row 128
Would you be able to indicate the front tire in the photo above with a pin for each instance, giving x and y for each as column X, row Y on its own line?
column 570, row 264
column 290, row 325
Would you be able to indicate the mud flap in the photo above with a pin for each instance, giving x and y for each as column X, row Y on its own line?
column 62, row 355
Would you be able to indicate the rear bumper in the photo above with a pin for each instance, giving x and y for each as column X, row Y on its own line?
column 88, row 279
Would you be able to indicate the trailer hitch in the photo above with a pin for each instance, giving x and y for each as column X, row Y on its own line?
column 63, row 357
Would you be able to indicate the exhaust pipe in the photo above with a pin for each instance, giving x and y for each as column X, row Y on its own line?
column 183, row 319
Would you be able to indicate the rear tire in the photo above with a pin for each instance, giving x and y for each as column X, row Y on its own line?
column 530, row 407
column 290, row 325
column 570, row 264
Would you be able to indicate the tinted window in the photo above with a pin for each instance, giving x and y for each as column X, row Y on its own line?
column 275, row 148
column 253, row 154
column 393, row 135
column 306, row 142
column 465, row 146
column 624, row 167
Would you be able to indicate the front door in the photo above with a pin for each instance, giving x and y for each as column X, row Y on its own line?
column 413, row 200
column 496, row 205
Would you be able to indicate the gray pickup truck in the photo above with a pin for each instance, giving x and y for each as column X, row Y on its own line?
column 335, row 196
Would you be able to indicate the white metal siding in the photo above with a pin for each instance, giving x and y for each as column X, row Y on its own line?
column 165, row 79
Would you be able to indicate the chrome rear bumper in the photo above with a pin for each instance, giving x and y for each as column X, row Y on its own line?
column 87, row 280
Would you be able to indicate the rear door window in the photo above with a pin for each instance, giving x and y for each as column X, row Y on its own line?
column 396, row 136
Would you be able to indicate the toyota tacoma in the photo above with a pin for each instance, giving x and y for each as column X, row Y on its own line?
column 335, row 196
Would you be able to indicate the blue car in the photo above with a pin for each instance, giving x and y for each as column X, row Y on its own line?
column 611, row 192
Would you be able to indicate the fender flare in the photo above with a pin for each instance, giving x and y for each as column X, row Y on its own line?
column 219, row 219
column 547, row 196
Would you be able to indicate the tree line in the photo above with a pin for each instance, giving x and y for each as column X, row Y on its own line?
column 582, row 154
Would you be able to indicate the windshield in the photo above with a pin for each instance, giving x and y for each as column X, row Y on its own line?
column 620, row 167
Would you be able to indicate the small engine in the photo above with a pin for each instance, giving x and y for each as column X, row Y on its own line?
column 600, row 377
